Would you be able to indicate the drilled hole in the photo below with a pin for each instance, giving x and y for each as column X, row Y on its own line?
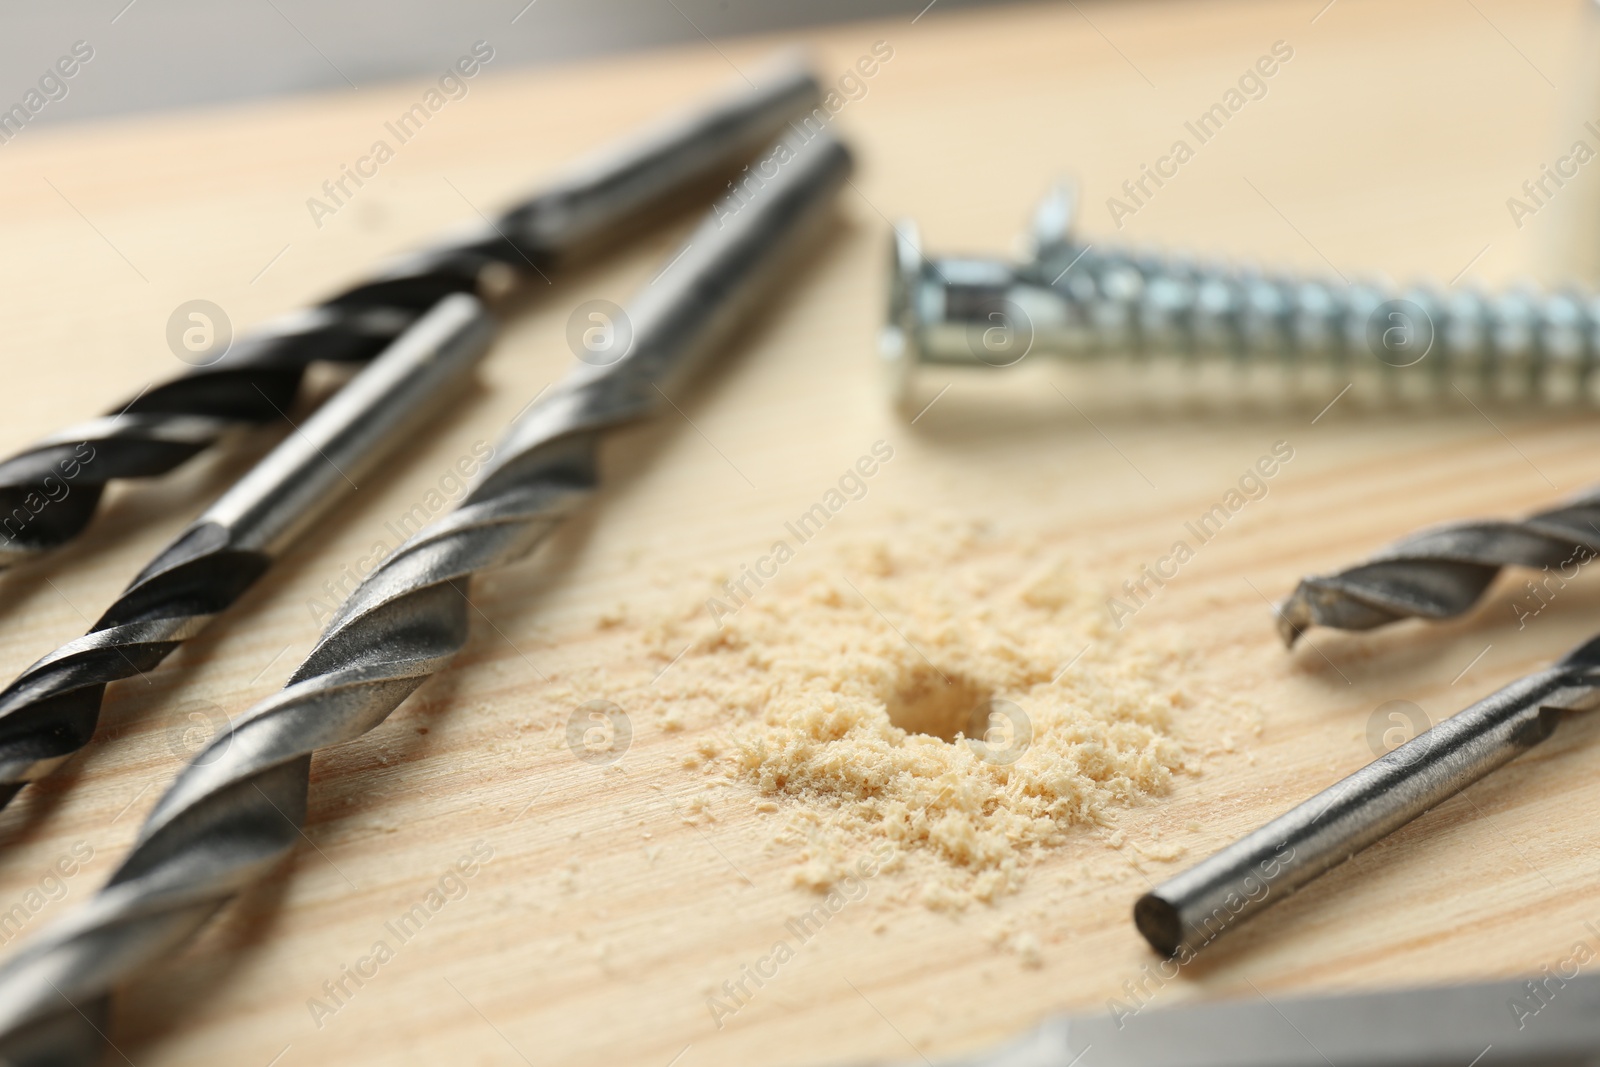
column 939, row 704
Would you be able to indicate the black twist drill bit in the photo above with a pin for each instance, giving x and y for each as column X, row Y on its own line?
column 234, row 812
column 52, row 709
column 49, row 491
column 1441, row 572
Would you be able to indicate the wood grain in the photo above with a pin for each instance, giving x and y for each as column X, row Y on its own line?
column 1389, row 143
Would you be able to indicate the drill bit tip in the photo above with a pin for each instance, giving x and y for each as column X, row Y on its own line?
column 1441, row 572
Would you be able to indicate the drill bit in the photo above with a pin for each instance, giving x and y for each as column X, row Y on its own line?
column 1190, row 910
column 235, row 811
column 1441, row 572
column 53, row 707
column 49, row 491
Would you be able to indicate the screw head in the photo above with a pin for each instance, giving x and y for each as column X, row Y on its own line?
column 899, row 343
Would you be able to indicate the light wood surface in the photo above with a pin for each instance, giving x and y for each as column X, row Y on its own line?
column 1389, row 143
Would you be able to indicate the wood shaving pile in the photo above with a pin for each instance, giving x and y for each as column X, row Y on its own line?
column 838, row 697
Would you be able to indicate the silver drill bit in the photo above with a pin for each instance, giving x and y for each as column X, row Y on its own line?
column 1545, row 1021
column 53, row 707
column 1080, row 299
column 50, row 490
column 1192, row 909
column 235, row 811
column 1441, row 572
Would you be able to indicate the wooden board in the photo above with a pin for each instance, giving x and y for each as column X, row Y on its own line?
column 1389, row 142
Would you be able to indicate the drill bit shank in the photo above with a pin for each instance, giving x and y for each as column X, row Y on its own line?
column 52, row 709
column 235, row 811
column 49, row 491
column 1189, row 911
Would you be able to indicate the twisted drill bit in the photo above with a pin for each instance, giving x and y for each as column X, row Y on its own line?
column 235, row 811
column 49, row 491
column 1441, row 572
column 52, row 709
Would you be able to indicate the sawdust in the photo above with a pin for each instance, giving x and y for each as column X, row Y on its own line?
column 957, row 693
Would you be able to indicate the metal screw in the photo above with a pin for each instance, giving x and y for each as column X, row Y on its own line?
column 1079, row 300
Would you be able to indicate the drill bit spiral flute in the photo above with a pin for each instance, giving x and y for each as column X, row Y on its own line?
column 52, row 709
column 49, row 491
column 1441, row 572
column 234, row 812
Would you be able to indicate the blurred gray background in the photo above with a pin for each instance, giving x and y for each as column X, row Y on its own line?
column 155, row 54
